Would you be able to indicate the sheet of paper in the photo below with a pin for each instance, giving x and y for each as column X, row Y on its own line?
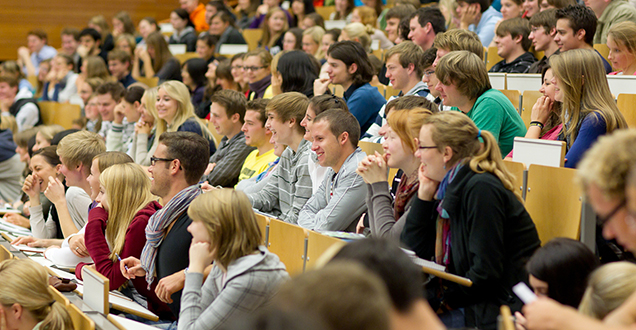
column 15, row 229
column 26, row 248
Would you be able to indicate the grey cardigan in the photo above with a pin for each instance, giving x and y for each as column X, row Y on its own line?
column 249, row 283
column 380, row 209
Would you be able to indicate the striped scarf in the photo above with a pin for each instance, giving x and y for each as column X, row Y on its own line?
column 158, row 224
column 443, row 236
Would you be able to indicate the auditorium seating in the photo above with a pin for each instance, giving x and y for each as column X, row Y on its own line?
column 61, row 114
column 627, row 105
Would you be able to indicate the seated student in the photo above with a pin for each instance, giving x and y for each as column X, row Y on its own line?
column 459, row 179
column 429, row 77
column 184, row 33
column 478, row 16
column 513, row 45
column 343, row 9
column 70, row 42
column 274, row 27
column 119, row 65
column 339, row 201
column 311, row 39
column 45, row 135
column 293, row 39
column 387, row 214
column 264, row 9
column 621, row 42
column 92, row 67
column 297, row 71
column 206, row 44
column 422, row 26
column 147, row 25
column 258, row 182
column 244, row 275
column 37, row 50
column 175, row 169
column 349, row 66
column 359, row 33
column 125, row 115
column 19, row 104
column 196, row 11
column 591, row 111
column 91, row 44
column 12, row 69
column 126, row 42
column 176, row 113
column 316, row 106
column 393, row 17
column 289, row 188
column 27, row 300
column 93, row 117
column 608, row 287
column 456, row 39
column 542, row 32
column 11, row 166
column 227, row 114
column 222, row 25
column 257, row 71
column 157, row 60
column 109, row 94
column 575, row 28
column 145, row 139
column 609, row 14
column 463, row 83
column 300, row 9
column 369, row 18
column 404, row 71
column 60, row 85
column 193, row 73
column 257, row 136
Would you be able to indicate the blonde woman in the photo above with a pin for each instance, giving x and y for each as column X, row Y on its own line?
column 92, row 67
column 359, row 33
column 608, row 287
column 311, row 42
column 127, row 43
column 367, row 16
column 621, row 41
column 175, row 112
column 145, row 140
column 44, row 136
column 26, row 301
column 274, row 27
column 244, row 274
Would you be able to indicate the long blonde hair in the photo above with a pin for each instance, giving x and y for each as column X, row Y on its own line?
column 269, row 39
column 185, row 110
column 608, row 287
column 316, row 33
column 150, row 101
column 457, row 131
column 361, row 32
column 96, row 68
column 128, row 191
column 585, row 90
column 26, row 283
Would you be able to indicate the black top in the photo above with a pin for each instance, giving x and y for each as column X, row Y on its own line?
column 170, row 70
column 173, row 255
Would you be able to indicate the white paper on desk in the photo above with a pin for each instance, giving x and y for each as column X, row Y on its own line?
column 42, row 261
column 26, row 248
column 5, row 226
column 130, row 324
column 423, row 263
column 118, row 301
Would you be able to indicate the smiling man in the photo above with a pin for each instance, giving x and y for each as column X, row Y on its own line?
column 257, row 136
column 513, row 45
column 340, row 199
column 227, row 114
column 36, row 51
column 424, row 25
column 289, row 187
column 108, row 96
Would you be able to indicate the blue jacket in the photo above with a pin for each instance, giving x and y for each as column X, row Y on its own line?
column 364, row 102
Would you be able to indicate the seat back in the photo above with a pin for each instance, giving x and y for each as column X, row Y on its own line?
column 252, row 36
column 185, row 56
column 150, row 82
column 59, row 297
column 263, row 225
column 627, row 106
column 80, row 320
column 529, row 99
column 325, row 11
column 5, row 254
column 517, row 170
column 603, row 50
column 514, row 96
column 492, row 57
column 61, row 114
column 289, row 243
column 317, row 244
column 371, row 147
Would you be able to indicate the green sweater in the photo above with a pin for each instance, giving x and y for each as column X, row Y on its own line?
column 494, row 113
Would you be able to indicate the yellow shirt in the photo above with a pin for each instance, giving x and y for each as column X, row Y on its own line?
column 255, row 164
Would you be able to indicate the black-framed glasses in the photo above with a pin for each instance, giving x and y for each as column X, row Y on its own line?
column 154, row 159
column 602, row 220
column 426, row 147
column 252, row 68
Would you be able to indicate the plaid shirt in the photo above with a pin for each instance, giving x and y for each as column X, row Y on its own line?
column 229, row 159
column 520, row 64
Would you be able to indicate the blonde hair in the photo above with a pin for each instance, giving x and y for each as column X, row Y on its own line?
column 9, row 122
column 368, row 16
column 458, row 39
column 361, row 32
column 608, row 287
column 624, row 33
column 130, row 39
column 150, row 101
column 227, row 215
column 96, row 68
column 457, row 131
column 100, row 21
column 185, row 110
column 80, row 148
column 466, row 70
column 128, row 191
column 269, row 39
column 608, row 162
column 48, row 131
column 26, row 283
column 407, row 124
column 316, row 33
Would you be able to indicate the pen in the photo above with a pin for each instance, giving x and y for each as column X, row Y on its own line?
column 118, row 258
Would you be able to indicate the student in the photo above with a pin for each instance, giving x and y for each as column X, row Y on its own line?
column 37, row 50
column 92, row 67
column 126, row 114
column 222, row 25
column 11, row 166
column 257, row 70
column 608, row 288
column 454, row 171
column 478, row 16
column 311, row 39
column 60, row 85
column 70, row 42
column 297, row 71
column 293, row 39
column 454, row 40
column 157, row 60
column 227, row 115
column 369, row 18
column 184, row 33
column 257, row 136
column 575, row 29
column 91, row 44
column 19, row 104
column 147, row 25
column 610, row 13
column 531, row 7
column 274, row 27
column 429, row 77
column 109, row 94
column 513, row 45
column 300, row 9
column 290, row 185
column 264, row 9
column 244, row 275
column 591, row 111
column 119, row 66
column 127, row 43
column 349, row 66
column 339, row 201
column 206, row 44
column 26, row 298
column 343, row 9
column 463, row 83
column 197, row 14
column 175, row 169
column 387, row 214
column 621, row 42
column 193, row 74
column 511, row 9
column 145, row 140
column 393, row 18
column 542, row 32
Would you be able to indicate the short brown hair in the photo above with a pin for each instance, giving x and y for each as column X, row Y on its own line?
column 263, row 54
column 409, row 53
column 13, row 82
column 466, row 70
column 119, row 55
column 546, row 19
column 232, row 101
column 192, row 151
column 259, row 105
column 340, row 122
column 409, row 102
column 71, row 31
column 38, row 33
column 114, row 88
column 428, row 58
column 458, row 39
column 80, row 148
column 516, row 27
column 290, row 105
column 400, row 11
column 320, row 103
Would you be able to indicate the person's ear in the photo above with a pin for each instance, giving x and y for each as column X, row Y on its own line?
column 447, row 154
column 235, row 118
column 410, row 68
column 517, row 39
column 580, row 34
column 553, row 32
column 343, row 138
column 352, row 68
column 16, row 311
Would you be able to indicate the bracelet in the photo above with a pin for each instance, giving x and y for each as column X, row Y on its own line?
column 536, row 123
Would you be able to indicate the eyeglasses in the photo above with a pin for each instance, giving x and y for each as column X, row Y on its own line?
column 417, row 143
column 429, row 73
column 602, row 220
column 154, row 159
column 252, row 68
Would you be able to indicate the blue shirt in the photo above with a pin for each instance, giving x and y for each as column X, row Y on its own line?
column 364, row 102
column 486, row 27
column 44, row 54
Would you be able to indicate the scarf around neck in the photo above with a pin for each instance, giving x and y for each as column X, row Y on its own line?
column 442, row 238
column 260, row 86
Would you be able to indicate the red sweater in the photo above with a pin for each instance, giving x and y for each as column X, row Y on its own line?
column 97, row 246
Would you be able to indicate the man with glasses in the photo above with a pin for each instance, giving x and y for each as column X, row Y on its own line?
column 175, row 169
column 256, row 65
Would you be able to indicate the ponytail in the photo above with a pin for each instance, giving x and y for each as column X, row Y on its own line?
column 57, row 318
column 488, row 159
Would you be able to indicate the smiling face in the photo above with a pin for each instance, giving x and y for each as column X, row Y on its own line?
column 547, row 88
column 145, row 28
column 256, row 134
column 40, row 142
column 237, row 70
column 431, row 158
column 144, row 113
column 217, row 26
column 276, row 22
column 298, row 7
column 566, row 38
column 223, row 124
column 392, row 28
column 509, row 9
column 310, row 114
column 177, row 22
column 69, row 44
column 398, row 75
column 43, row 170
column 117, row 68
column 397, row 155
column 506, row 45
column 160, row 173
column 106, row 106
column 541, row 39
column 102, row 197
column 309, row 45
column 558, row 94
column 619, row 55
column 531, row 7
column 289, row 41
column 255, row 69
column 326, row 145
column 338, row 71
column 93, row 178
column 282, row 132
column 203, row 50
column 34, row 43
column 166, row 106
column 417, row 33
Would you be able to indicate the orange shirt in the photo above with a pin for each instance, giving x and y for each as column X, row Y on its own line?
column 197, row 16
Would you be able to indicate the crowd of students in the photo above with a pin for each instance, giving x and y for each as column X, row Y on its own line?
column 155, row 186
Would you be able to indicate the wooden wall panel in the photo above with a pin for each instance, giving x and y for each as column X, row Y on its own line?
column 18, row 17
